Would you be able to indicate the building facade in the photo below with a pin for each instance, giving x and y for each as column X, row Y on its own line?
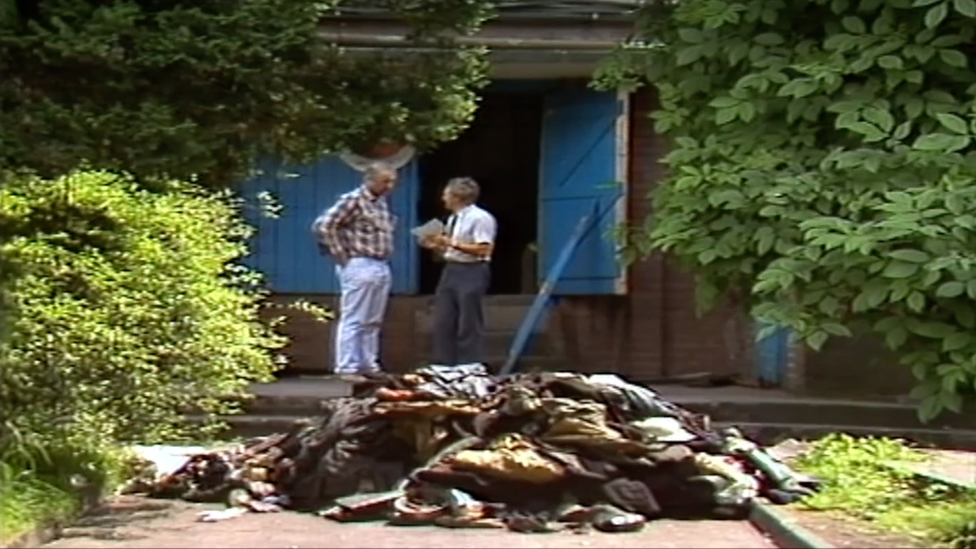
column 546, row 150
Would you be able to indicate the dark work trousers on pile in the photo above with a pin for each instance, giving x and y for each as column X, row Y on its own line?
column 458, row 317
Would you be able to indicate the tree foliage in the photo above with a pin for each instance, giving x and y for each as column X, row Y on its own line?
column 185, row 87
column 122, row 308
column 823, row 166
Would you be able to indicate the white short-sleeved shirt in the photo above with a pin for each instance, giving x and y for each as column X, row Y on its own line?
column 471, row 225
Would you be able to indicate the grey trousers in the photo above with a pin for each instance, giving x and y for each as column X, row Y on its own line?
column 458, row 316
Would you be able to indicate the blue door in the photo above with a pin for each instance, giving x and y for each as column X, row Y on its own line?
column 283, row 248
column 772, row 355
column 578, row 172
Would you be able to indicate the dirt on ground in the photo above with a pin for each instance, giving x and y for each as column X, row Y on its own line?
column 131, row 522
column 955, row 464
column 843, row 532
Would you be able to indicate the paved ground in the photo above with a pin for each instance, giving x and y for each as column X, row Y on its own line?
column 137, row 522
column 957, row 465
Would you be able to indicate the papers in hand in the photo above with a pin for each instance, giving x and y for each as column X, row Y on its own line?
column 431, row 228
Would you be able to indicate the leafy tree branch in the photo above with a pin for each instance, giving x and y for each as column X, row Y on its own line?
column 203, row 87
column 823, row 164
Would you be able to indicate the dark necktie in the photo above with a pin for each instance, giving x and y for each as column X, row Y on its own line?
column 451, row 221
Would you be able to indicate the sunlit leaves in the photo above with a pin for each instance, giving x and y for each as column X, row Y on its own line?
column 123, row 314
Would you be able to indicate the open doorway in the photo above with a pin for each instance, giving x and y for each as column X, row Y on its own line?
column 501, row 152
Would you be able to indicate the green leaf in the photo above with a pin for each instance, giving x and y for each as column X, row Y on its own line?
column 966, row 7
column 950, row 289
column 903, row 129
column 834, row 328
column 952, row 122
column 916, row 301
column 952, row 402
column 691, row 35
column 896, row 337
column 965, row 221
column 954, row 58
column 840, row 42
column 723, row 102
column 800, row 87
column 870, row 132
column 936, row 15
column 932, row 330
column 881, row 117
column 746, row 112
column 959, row 142
column 955, row 204
column 769, row 39
column 891, row 62
column 931, row 278
column 971, row 289
column 915, row 77
column 688, row 55
column 817, row 340
column 956, row 341
column 914, row 107
column 725, row 116
column 900, row 269
column 765, row 237
column 727, row 197
column 912, row 256
column 871, row 296
column 934, row 142
column 853, row 24
column 929, row 409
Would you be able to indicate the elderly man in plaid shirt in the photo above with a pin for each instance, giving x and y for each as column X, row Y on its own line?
column 358, row 232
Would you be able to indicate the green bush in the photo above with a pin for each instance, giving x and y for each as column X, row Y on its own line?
column 122, row 309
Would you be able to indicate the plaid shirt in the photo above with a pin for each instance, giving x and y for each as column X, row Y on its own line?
column 359, row 224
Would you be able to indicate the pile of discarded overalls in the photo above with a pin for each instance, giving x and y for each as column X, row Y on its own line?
column 459, row 447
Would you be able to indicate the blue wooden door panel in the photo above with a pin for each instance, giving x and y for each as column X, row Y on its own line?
column 403, row 202
column 283, row 248
column 578, row 168
column 772, row 355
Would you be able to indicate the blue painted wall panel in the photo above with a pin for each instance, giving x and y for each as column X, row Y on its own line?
column 577, row 169
column 283, row 248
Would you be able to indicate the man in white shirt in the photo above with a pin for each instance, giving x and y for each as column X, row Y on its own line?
column 466, row 246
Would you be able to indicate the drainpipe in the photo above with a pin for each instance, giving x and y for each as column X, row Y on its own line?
column 397, row 41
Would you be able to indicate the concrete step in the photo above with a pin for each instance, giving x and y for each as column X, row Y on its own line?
column 305, row 397
column 773, row 433
column 764, row 433
column 823, row 412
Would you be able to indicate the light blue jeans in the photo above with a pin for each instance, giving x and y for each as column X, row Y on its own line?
column 365, row 286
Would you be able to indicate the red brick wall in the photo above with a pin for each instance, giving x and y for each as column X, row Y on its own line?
column 652, row 332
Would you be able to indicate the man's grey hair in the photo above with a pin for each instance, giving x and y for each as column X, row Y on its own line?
column 374, row 169
column 465, row 189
